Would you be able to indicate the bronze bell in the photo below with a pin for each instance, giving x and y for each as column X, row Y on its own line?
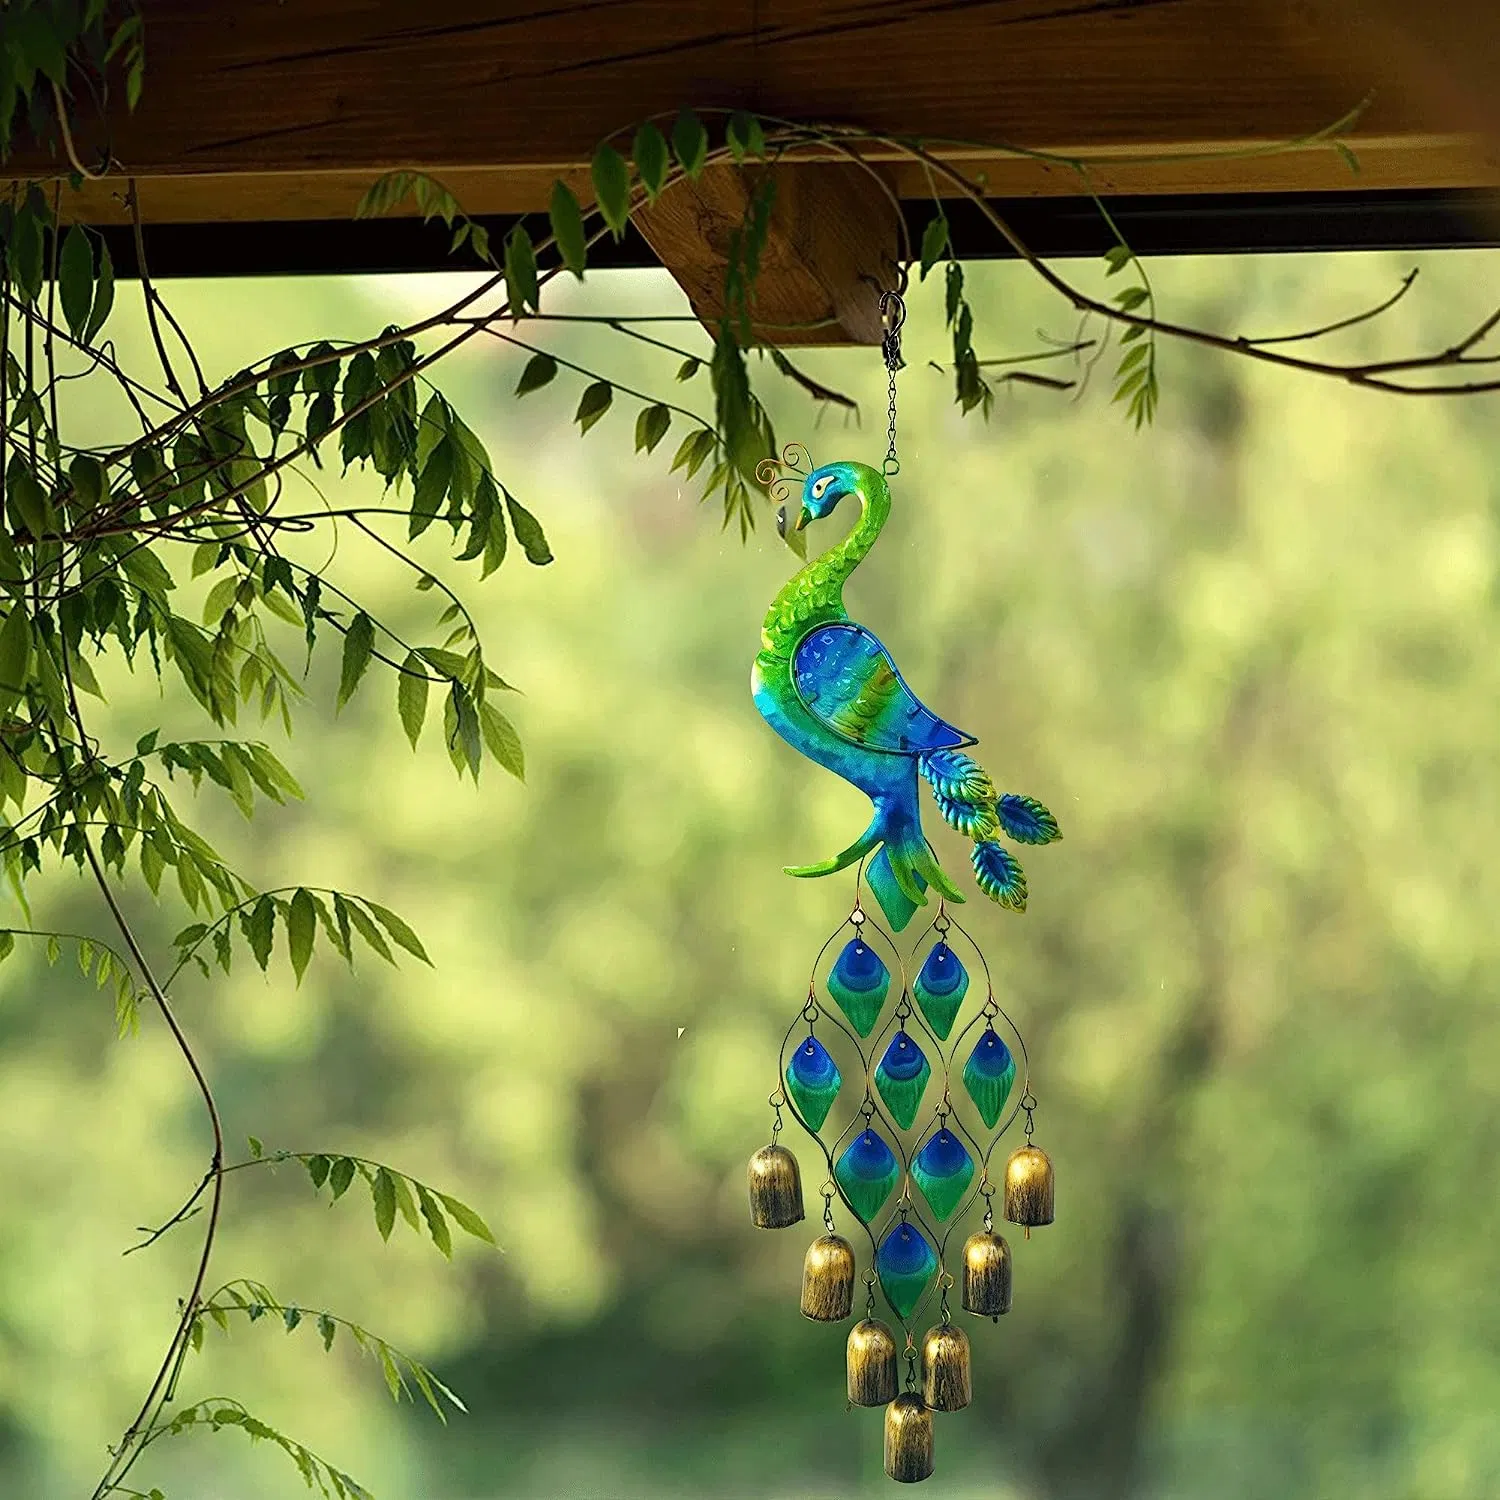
column 828, row 1279
column 946, row 1385
column 987, row 1267
column 871, row 1358
column 775, row 1188
column 1028, row 1187
column 908, row 1439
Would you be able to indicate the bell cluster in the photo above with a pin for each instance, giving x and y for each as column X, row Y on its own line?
column 872, row 1354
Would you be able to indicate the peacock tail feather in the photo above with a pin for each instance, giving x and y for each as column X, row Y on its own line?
column 1026, row 821
column 958, row 777
column 974, row 821
column 999, row 874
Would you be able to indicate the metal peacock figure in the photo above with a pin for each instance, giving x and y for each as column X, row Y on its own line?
column 908, row 1102
column 830, row 689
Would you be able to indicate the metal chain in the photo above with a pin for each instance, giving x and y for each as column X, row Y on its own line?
column 893, row 315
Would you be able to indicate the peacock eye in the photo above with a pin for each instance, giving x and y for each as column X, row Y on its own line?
column 821, row 485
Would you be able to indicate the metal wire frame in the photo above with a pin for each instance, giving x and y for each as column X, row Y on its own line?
column 872, row 1107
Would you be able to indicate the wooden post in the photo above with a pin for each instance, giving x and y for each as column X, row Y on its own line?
column 832, row 247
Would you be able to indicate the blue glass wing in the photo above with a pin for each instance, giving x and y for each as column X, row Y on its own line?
column 847, row 681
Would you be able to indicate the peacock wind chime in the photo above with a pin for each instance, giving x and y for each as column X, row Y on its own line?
column 924, row 1107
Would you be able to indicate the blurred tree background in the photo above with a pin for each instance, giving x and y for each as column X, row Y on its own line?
column 1248, row 656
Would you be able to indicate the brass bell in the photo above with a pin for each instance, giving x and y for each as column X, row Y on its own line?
column 1028, row 1187
column 775, row 1188
column 871, row 1358
column 987, row 1267
column 908, row 1439
column 828, row 1279
column 946, row 1385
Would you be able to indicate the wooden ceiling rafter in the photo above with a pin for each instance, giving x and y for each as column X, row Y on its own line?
column 262, row 113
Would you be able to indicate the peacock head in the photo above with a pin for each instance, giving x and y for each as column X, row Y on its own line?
column 826, row 486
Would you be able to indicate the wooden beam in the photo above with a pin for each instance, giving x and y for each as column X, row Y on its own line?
column 832, row 245
column 265, row 109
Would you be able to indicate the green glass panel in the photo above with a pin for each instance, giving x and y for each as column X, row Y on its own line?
column 902, row 1078
column 867, row 1173
column 940, row 987
column 905, row 1264
column 859, row 981
column 989, row 1074
column 813, row 1080
column 943, row 1170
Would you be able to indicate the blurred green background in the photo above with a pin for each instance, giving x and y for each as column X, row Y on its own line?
column 1249, row 656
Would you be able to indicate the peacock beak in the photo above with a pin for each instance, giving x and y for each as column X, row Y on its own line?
column 803, row 517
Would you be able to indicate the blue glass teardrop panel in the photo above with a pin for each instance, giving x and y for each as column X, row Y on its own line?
column 813, row 1080
column 940, row 988
column 860, row 981
column 867, row 1172
column 989, row 1074
column 905, row 1264
column 902, row 1078
column 943, row 1169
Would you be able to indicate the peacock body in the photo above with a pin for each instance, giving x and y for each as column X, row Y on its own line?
column 829, row 688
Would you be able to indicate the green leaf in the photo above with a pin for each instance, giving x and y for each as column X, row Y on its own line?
column 358, row 645
column 690, row 142
column 467, row 1219
column 953, row 290
column 260, row 929
column 1117, row 257
column 541, row 369
column 594, row 402
column 400, row 932
column 405, row 1202
column 367, row 929
column 437, row 1225
column 611, row 179
column 301, row 928
column 1350, row 159
column 651, row 427
column 340, row 1175
column 86, row 474
column 651, row 161
column 411, row 696
column 567, row 228
column 1131, row 297
column 327, row 1328
column 383, row 1191
column 75, row 279
column 15, row 656
column 257, row 1149
column 745, row 136
column 503, row 741
column 104, row 294
column 520, row 272
column 28, row 500
column 934, row 241
column 317, row 1168
column 25, row 252
column 688, row 368
column 528, row 531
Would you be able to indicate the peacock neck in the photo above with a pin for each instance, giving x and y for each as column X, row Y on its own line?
column 816, row 594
